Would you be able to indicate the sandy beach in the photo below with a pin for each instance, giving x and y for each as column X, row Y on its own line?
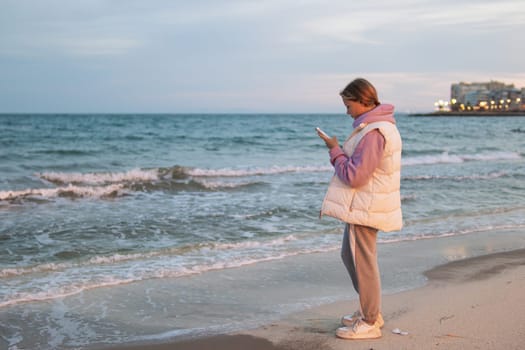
column 474, row 303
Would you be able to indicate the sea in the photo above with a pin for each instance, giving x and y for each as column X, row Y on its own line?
column 92, row 203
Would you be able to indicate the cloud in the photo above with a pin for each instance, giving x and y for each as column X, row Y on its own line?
column 275, row 55
column 65, row 30
column 375, row 23
column 339, row 28
column 175, row 13
column 488, row 15
column 96, row 28
column 95, row 46
column 75, row 45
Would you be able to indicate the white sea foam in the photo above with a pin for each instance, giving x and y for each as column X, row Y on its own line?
column 18, row 271
column 60, row 292
column 164, row 252
column 93, row 261
column 490, row 176
column 74, row 280
column 446, row 158
column 101, row 185
column 162, row 174
column 216, row 185
column 65, row 191
column 256, row 244
column 443, row 158
column 229, row 172
column 69, row 278
column 416, row 237
column 494, row 156
column 135, row 175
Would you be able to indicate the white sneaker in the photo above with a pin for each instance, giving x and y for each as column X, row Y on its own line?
column 349, row 320
column 359, row 330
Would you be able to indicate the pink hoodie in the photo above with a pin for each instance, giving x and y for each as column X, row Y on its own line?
column 357, row 169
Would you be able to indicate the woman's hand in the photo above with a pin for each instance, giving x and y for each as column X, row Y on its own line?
column 331, row 142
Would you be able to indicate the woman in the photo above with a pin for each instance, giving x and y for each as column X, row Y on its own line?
column 364, row 193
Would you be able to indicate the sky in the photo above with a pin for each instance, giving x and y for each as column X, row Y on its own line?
column 264, row 56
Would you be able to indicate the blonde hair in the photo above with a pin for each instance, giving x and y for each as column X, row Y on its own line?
column 362, row 91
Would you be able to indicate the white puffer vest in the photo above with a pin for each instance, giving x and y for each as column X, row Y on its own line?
column 378, row 203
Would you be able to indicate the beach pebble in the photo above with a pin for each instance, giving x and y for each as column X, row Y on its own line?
column 399, row 331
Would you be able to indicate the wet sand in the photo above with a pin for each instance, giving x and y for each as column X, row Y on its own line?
column 475, row 303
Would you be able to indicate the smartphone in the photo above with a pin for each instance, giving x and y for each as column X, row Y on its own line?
column 322, row 132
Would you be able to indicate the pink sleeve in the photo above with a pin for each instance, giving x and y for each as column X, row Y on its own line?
column 356, row 171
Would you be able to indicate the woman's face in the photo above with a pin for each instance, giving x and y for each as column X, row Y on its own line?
column 352, row 107
column 355, row 108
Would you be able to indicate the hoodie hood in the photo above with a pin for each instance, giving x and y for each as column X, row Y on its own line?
column 382, row 113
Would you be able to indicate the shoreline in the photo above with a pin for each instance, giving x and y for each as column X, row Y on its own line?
column 302, row 294
column 434, row 314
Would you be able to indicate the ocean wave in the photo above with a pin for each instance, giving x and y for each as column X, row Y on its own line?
column 415, row 237
column 179, row 172
column 173, row 173
column 446, row 158
column 193, row 185
column 170, row 179
column 219, row 185
column 116, row 190
column 69, row 278
column 274, row 170
column 490, row 176
column 80, row 285
column 164, row 252
column 57, row 280
column 61, row 292
column 180, row 178
column 65, row 152
column 70, row 191
column 407, row 198
column 135, row 175
column 117, row 184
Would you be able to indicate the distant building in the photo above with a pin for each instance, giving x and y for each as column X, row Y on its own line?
column 492, row 96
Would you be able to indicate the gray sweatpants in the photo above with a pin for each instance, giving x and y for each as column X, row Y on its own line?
column 359, row 255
